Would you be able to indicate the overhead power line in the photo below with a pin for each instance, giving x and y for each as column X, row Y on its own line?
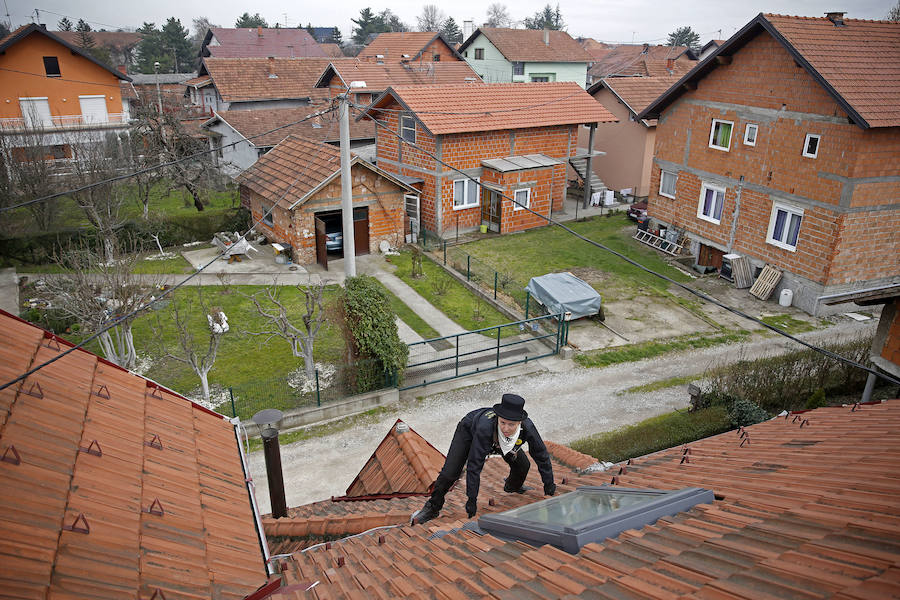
column 633, row 262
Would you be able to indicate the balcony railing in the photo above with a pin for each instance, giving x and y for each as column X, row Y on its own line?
column 63, row 122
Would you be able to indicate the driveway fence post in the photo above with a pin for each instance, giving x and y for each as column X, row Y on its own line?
column 468, row 266
column 495, row 285
column 233, row 409
column 318, row 398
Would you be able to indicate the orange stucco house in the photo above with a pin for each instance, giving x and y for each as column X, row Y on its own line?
column 55, row 89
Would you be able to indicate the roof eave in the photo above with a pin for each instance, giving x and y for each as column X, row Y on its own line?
column 470, row 40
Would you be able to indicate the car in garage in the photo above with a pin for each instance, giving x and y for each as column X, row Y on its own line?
column 334, row 236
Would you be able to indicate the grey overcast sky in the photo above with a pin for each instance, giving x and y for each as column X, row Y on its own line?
column 620, row 21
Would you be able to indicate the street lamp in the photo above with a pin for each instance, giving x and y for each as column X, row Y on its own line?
column 158, row 94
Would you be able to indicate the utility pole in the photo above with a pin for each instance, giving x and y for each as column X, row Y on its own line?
column 347, row 188
column 158, row 94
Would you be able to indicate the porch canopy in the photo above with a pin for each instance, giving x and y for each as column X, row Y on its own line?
column 563, row 292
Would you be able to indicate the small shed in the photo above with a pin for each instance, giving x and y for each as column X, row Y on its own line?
column 563, row 292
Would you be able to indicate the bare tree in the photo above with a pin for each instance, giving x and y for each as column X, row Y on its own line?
column 498, row 15
column 300, row 335
column 28, row 171
column 98, row 292
column 137, row 158
column 431, row 18
column 190, row 348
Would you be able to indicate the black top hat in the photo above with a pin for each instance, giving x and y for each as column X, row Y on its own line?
column 511, row 408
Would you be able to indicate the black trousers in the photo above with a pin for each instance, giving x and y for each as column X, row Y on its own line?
column 457, row 456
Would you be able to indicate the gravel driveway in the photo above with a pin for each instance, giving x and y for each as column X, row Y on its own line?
column 566, row 403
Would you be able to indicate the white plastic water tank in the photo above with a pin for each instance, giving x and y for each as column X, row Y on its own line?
column 786, row 297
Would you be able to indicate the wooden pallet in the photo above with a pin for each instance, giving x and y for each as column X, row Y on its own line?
column 660, row 243
column 741, row 273
column 766, row 282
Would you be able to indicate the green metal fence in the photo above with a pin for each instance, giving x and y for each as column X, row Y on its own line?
column 449, row 357
column 285, row 393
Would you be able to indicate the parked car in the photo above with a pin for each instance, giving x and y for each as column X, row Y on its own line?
column 334, row 241
column 637, row 211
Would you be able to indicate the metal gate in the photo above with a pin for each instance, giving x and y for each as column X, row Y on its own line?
column 440, row 359
column 321, row 249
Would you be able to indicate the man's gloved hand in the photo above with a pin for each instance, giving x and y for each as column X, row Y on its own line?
column 549, row 489
column 471, row 507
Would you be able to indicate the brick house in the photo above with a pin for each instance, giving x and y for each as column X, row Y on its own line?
column 784, row 146
column 409, row 46
column 513, row 139
column 300, row 180
column 501, row 55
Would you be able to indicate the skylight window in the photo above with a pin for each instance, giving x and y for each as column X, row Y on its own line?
column 589, row 514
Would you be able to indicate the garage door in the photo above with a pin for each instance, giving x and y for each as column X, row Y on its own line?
column 93, row 109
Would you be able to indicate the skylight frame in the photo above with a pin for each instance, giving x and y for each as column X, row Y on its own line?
column 596, row 529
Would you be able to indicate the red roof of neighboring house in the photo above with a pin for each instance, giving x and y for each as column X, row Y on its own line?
column 248, row 79
column 403, row 463
column 258, row 125
column 120, row 40
column 527, row 45
column 856, row 61
column 332, row 50
column 393, row 45
column 445, row 109
column 641, row 59
column 97, row 447
column 379, row 77
column 260, row 43
column 806, row 507
column 596, row 49
column 637, row 93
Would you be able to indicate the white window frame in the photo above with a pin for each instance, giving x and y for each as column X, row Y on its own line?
column 700, row 213
column 712, row 134
column 516, row 205
column 810, row 136
column 790, row 210
column 407, row 124
column 467, row 202
column 747, row 129
column 662, row 179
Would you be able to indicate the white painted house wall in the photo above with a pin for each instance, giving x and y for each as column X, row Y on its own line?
column 494, row 68
column 237, row 158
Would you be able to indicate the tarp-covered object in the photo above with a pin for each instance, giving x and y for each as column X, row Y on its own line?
column 563, row 292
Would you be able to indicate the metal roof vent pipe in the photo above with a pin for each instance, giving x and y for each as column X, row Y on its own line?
column 546, row 37
column 836, row 17
column 268, row 420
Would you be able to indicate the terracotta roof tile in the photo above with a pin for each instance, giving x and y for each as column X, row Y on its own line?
column 247, row 79
column 332, row 50
column 636, row 59
column 527, row 45
column 379, row 77
column 445, row 109
column 638, row 92
column 860, row 60
column 801, row 513
column 205, row 541
column 279, row 42
column 120, row 40
column 252, row 123
column 291, row 170
column 393, row 45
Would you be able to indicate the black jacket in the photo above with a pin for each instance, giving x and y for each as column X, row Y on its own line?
column 481, row 425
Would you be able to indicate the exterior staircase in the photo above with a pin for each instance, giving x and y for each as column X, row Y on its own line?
column 580, row 166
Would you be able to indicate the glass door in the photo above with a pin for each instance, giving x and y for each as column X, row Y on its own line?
column 491, row 209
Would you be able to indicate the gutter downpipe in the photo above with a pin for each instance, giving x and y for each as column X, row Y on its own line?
column 263, row 544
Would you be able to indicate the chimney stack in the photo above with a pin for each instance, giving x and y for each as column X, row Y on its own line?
column 836, row 17
column 123, row 69
column 271, row 63
column 546, row 37
column 259, row 31
column 268, row 420
column 670, row 65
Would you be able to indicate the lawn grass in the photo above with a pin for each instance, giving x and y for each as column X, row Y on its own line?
column 661, row 384
column 551, row 249
column 650, row 349
column 788, row 324
column 241, row 358
column 657, row 433
column 408, row 316
column 457, row 302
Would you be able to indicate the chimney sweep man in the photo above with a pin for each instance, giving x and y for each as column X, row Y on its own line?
column 499, row 430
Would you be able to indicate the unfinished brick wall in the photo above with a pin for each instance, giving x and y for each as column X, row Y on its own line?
column 857, row 241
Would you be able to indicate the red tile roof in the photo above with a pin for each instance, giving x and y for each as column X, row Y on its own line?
column 252, row 123
column 637, row 93
column 527, row 45
column 445, row 109
column 87, row 455
column 860, row 60
column 247, row 42
column 403, row 463
column 637, row 59
column 393, row 45
column 379, row 77
column 806, row 506
column 332, row 50
column 596, row 49
column 247, row 79
column 120, row 40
